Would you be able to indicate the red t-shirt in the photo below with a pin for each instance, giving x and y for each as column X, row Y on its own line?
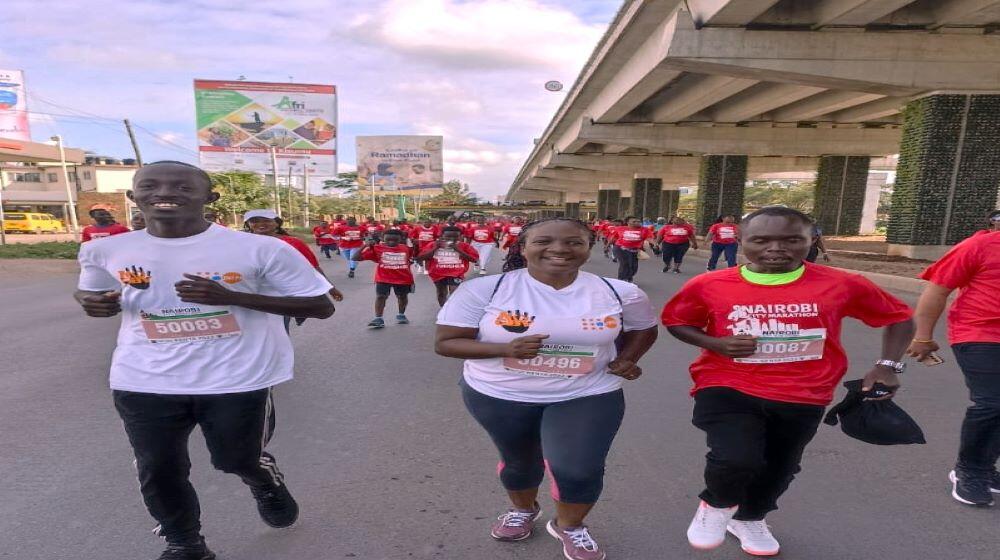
column 973, row 267
column 724, row 234
column 447, row 263
column 97, row 232
column 371, row 229
column 803, row 371
column 676, row 234
column 422, row 234
column 323, row 235
column 302, row 248
column 351, row 237
column 393, row 263
column 511, row 232
column 480, row 234
column 630, row 238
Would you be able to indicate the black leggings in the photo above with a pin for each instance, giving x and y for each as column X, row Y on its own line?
column 628, row 263
column 674, row 251
column 570, row 439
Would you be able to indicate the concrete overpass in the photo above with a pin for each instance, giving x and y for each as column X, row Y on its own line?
column 711, row 92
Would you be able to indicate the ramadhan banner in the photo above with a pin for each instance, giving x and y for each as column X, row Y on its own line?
column 13, row 106
column 239, row 123
column 403, row 164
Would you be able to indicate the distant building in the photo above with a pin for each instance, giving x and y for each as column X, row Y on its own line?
column 41, row 187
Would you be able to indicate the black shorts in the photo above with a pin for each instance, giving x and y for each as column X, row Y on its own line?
column 383, row 289
column 450, row 281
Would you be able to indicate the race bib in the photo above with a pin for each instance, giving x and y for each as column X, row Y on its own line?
column 514, row 230
column 803, row 347
column 632, row 235
column 481, row 235
column 425, row 236
column 448, row 258
column 679, row 232
column 393, row 260
column 352, row 235
column 556, row 360
column 727, row 233
column 185, row 328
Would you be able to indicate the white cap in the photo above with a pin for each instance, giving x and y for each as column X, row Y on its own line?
column 262, row 213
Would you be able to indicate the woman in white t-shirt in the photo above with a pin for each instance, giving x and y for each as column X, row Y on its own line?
column 543, row 374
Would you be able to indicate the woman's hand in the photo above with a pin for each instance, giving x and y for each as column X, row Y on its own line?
column 525, row 346
column 625, row 368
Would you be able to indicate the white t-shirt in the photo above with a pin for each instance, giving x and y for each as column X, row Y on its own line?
column 167, row 346
column 582, row 321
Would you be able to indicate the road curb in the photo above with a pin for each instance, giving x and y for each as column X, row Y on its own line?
column 886, row 281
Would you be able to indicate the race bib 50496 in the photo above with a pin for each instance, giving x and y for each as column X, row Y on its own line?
column 556, row 360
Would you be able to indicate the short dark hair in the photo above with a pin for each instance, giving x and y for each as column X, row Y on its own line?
column 627, row 218
column 455, row 229
column 201, row 172
column 780, row 211
column 96, row 210
column 393, row 232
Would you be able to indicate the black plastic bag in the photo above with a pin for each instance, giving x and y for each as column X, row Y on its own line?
column 876, row 422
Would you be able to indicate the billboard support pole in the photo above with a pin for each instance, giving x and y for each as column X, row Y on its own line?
column 3, row 236
column 305, row 182
column 290, row 197
column 274, row 183
column 372, row 183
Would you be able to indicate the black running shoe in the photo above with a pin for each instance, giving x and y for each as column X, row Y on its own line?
column 971, row 491
column 995, row 483
column 275, row 503
column 350, row 274
column 189, row 551
column 666, row 268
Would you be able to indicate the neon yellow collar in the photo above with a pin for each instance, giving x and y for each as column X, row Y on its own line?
column 771, row 279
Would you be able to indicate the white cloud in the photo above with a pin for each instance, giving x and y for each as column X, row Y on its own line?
column 482, row 34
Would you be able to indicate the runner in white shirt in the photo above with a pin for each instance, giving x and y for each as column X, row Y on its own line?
column 201, row 343
column 543, row 375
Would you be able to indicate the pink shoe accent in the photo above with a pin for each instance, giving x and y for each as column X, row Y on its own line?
column 500, row 467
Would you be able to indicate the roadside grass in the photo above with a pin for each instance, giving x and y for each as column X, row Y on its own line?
column 47, row 250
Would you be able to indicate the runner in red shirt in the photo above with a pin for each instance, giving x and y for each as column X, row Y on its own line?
column 480, row 235
column 724, row 237
column 351, row 239
column 772, row 358
column 674, row 240
column 628, row 240
column 447, row 261
column 105, row 226
column 973, row 268
column 323, row 233
column 422, row 234
column 392, row 273
column 373, row 229
column 511, row 233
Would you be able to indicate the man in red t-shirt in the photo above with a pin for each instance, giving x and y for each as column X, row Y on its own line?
column 373, row 229
column 324, row 238
column 724, row 237
column 392, row 273
column 628, row 240
column 351, row 237
column 674, row 239
column 973, row 268
column 481, row 236
column 511, row 231
column 772, row 358
column 105, row 226
column 447, row 261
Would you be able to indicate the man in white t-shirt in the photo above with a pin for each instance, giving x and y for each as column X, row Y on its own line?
column 201, row 343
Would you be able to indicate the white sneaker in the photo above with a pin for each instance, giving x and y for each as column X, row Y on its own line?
column 482, row 272
column 755, row 537
column 708, row 528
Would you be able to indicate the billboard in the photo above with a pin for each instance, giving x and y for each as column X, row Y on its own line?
column 13, row 106
column 240, row 122
column 408, row 165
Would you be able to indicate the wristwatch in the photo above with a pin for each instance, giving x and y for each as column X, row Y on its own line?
column 898, row 367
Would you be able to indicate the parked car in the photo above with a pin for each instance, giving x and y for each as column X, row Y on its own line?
column 31, row 222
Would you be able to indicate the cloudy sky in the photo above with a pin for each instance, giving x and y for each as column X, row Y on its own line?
column 471, row 70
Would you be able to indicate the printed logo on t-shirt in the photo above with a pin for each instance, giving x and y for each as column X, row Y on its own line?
column 514, row 230
column 394, row 261
column 136, row 277
column 516, row 321
column 594, row 324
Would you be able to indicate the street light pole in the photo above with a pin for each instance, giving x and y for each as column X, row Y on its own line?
column 69, row 192
column 305, row 183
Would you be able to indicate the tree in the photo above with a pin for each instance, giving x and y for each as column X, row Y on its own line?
column 453, row 193
column 345, row 182
column 239, row 191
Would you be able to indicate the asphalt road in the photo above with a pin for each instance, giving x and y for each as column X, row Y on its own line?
column 386, row 464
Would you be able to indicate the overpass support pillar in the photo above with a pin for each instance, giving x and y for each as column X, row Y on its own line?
column 841, row 184
column 721, row 181
column 670, row 201
column 624, row 207
column 646, row 198
column 607, row 203
column 572, row 210
column 948, row 173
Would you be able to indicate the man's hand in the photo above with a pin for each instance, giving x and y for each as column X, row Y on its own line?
column 625, row 368
column 739, row 346
column 525, row 346
column 826, row 257
column 920, row 350
column 202, row 290
column 107, row 304
column 336, row 295
column 883, row 375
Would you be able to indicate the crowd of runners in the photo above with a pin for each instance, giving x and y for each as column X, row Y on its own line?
column 545, row 347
